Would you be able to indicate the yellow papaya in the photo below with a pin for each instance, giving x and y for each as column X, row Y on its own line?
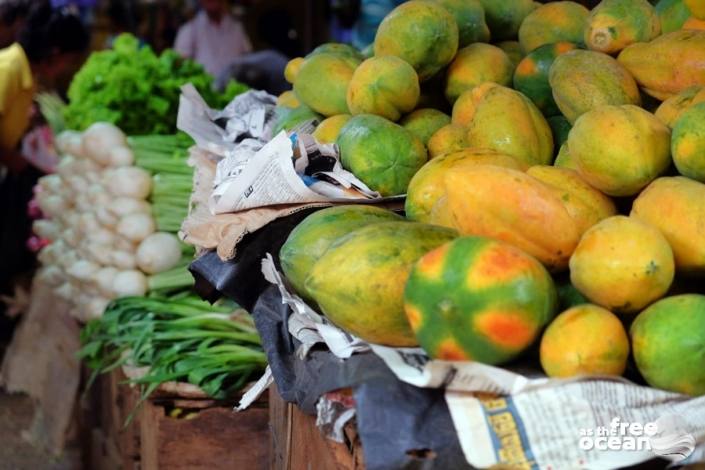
column 322, row 82
column 506, row 121
column 447, row 139
column 386, row 86
column 288, row 99
column 669, row 64
column 422, row 33
column 584, row 80
column 675, row 206
column 585, row 204
column 427, row 186
column 292, row 69
column 619, row 149
column 514, row 207
column 328, row 130
column 551, row 23
column 694, row 23
column 475, row 64
column 615, row 24
column 673, row 107
column 688, row 143
column 424, row 122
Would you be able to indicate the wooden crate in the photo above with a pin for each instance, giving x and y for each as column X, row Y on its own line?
column 109, row 441
column 297, row 444
column 213, row 437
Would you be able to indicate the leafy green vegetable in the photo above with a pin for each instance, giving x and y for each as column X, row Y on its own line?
column 133, row 88
column 180, row 339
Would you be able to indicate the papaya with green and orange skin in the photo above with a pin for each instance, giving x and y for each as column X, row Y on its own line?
column 505, row 17
column 622, row 264
column 428, row 184
column 551, row 23
column 672, row 14
column 421, row 32
column 583, row 80
column 288, row 99
column 696, row 7
column 384, row 155
column 584, row 340
column 694, row 23
column 386, row 86
column 585, row 204
column 531, row 75
column 619, row 149
column 447, row 139
column 292, row 69
column 668, row 341
column 322, row 83
column 513, row 51
column 669, row 64
column 514, row 207
column 688, row 143
column 615, row 24
column 312, row 237
column 359, row 281
column 328, row 130
column 470, row 16
column 337, row 48
column 506, row 121
column 423, row 123
column 475, row 64
column 477, row 299
column 671, row 109
column 563, row 159
column 674, row 205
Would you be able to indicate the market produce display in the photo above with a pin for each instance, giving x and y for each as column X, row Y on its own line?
column 579, row 190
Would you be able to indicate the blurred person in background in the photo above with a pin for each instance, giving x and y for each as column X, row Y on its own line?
column 50, row 47
column 123, row 19
column 213, row 38
column 344, row 15
column 12, row 16
column 264, row 70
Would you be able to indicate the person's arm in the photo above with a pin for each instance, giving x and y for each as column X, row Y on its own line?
column 185, row 41
column 244, row 40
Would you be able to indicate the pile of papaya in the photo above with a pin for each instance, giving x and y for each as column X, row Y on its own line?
column 553, row 163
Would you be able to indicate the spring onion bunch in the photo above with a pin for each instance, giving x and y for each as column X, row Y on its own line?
column 111, row 222
column 165, row 157
column 179, row 339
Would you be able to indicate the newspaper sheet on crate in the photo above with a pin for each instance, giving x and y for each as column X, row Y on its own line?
column 256, row 169
column 523, row 419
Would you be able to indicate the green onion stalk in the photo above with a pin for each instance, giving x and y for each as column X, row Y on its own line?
column 181, row 339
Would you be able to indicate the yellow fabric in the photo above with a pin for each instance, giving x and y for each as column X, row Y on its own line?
column 16, row 94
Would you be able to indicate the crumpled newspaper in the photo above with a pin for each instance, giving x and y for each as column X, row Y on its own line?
column 255, row 169
column 247, row 119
